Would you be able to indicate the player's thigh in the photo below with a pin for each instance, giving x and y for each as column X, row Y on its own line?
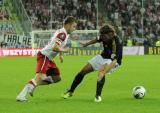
column 87, row 68
column 102, row 69
column 54, row 73
column 97, row 61
column 105, row 68
column 43, row 64
column 114, row 68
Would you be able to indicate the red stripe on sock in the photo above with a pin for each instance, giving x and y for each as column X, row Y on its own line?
column 30, row 82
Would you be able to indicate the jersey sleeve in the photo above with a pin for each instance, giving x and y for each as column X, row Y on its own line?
column 60, row 38
column 119, row 50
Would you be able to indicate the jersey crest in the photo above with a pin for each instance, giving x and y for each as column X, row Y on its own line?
column 61, row 36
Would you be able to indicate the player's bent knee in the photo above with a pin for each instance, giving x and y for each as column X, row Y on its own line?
column 102, row 72
column 48, row 80
column 56, row 79
column 39, row 77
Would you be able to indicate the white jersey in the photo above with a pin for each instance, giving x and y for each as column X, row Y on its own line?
column 60, row 37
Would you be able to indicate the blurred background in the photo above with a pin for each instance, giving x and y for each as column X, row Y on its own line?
column 30, row 23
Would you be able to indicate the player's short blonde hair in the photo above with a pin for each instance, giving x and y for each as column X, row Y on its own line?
column 69, row 19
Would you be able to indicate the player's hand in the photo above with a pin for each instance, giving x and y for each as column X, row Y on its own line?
column 83, row 44
column 61, row 58
column 66, row 50
column 113, row 56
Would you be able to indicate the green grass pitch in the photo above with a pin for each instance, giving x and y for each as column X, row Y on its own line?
column 117, row 92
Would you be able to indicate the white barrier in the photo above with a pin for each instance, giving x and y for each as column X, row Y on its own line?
column 17, row 52
column 135, row 50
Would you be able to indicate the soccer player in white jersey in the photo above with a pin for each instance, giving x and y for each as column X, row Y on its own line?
column 46, row 70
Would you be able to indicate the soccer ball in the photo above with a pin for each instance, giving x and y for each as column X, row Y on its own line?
column 139, row 92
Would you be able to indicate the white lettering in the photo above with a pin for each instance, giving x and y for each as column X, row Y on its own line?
column 17, row 52
column 25, row 52
column 5, row 52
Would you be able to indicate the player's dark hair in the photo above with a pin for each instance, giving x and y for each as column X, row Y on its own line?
column 106, row 29
column 69, row 19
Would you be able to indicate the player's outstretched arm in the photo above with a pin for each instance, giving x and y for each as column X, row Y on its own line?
column 89, row 43
column 57, row 48
column 61, row 57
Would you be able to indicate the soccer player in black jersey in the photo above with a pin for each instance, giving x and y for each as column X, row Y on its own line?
column 106, row 62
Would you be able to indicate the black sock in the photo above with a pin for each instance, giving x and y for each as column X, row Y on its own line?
column 100, row 85
column 77, row 80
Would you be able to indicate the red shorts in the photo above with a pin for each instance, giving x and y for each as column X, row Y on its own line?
column 44, row 64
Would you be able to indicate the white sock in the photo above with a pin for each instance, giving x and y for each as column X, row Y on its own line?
column 34, row 82
column 31, row 85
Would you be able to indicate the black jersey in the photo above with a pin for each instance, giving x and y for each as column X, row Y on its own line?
column 108, row 49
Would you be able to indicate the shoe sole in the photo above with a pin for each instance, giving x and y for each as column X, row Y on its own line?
column 19, row 100
column 31, row 94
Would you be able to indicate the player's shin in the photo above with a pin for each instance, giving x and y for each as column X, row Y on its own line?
column 78, row 79
column 28, row 88
column 100, row 85
column 32, row 84
column 99, row 88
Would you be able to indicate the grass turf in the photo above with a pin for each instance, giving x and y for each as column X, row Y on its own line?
column 117, row 92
